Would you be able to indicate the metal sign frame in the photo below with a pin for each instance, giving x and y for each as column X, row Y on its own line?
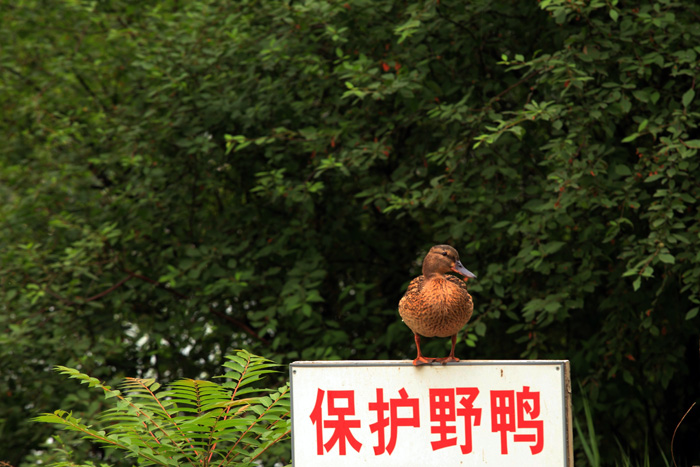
column 560, row 365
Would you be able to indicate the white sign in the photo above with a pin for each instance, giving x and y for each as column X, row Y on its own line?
column 390, row 413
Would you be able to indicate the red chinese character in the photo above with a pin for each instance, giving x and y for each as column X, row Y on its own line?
column 442, row 411
column 317, row 419
column 394, row 420
column 468, row 412
column 380, row 407
column 341, row 427
column 533, row 411
column 503, row 415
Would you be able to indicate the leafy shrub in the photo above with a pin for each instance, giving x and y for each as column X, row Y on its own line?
column 192, row 422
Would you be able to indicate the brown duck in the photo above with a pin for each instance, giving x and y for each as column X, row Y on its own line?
column 437, row 304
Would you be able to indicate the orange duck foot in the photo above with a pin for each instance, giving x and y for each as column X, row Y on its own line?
column 421, row 360
column 444, row 360
column 451, row 357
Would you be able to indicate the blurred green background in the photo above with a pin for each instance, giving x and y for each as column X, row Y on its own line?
column 181, row 179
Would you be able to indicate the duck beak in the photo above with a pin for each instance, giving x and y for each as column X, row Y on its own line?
column 459, row 269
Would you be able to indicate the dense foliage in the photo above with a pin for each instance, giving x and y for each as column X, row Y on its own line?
column 181, row 179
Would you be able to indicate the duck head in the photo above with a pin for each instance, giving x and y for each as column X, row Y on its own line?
column 442, row 259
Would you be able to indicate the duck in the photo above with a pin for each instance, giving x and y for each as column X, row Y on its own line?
column 437, row 304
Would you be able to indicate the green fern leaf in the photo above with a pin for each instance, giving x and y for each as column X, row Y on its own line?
column 191, row 422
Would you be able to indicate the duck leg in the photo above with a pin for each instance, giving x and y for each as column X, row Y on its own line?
column 420, row 359
column 451, row 357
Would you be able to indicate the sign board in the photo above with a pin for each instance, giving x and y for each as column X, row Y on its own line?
column 390, row 413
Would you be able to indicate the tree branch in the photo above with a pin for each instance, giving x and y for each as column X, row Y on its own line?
column 20, row 75
column 115, row 286
column 240, row 324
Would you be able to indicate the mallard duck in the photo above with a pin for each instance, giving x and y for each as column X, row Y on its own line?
column 437, row 304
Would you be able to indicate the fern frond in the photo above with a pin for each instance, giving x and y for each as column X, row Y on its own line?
column 67, row 421
column 85, row 379
column 247, row 368
column 142, row 392
column 191, row 422
column 270, row 434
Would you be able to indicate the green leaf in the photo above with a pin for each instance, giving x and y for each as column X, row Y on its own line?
column 622, row 170
column 688, row 97
column 637, row 283
column 692, row 313
column 552, row 247
column 625, row 105
column 627, row 376
column 641, row 95
column 514, row 328
column 667, row 258
column 110, row 394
